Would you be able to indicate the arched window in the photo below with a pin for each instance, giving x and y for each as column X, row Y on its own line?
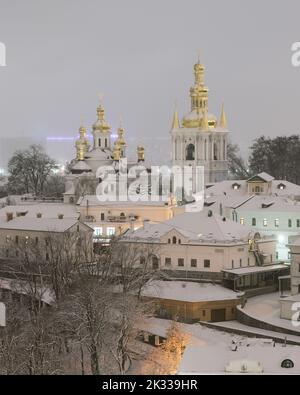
column 99, row 142
column 174, row 240
column 179, row 241
column 190, row 152
column 105, row 143
column 169, row 241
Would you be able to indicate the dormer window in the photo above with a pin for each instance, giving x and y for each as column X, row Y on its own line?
column 236, row 186
column 174, row 240
column 281, row 186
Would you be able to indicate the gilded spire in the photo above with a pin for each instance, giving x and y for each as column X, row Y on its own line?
column 116, row 152
column 175, row 123
column 199, row 92
column 141, row 153
column 223, row 119
column 82, row 144
column 101, row 125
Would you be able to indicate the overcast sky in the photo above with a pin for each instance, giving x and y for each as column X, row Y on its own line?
column 140, row 55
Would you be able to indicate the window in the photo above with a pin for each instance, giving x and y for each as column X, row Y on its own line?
column 110, row 231
column 265, row 222
column 248, row 261
column 99, row 142
column 298, row 223
column 180, row 262
column 168, row 261
column 179, row 241
column 102, row 217
column 287, row 364
column 174, row 240
column 17, row 239
column 190, row 152
column 276, row 223
column 142, row 260
column 36, row 240
column 155, row 262
column 98, row 231
column 206, row 263
column 242, row 221
column 204, row 313
column 47, row 256
column 253, row 221
column 169, row 241
column 193, row 262
column 277, row 255
column 232, row 264
column 290, row 223
column 298, row 267
column 241, row 262
column 105, row 143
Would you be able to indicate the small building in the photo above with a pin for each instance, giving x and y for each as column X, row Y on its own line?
column 192, row 302
column 201, row 245
column 116, row 217
column 254, row 277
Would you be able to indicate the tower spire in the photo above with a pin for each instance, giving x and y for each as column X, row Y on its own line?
column 223, row 119
column 175, row 123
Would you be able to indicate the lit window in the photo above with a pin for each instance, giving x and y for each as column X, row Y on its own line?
column 98, row 231
column 242, row 221
column 276, row 223
column 110, row 231
column 265, row 222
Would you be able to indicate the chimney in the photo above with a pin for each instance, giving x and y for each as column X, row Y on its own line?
column 60, row 216
column 9, row 216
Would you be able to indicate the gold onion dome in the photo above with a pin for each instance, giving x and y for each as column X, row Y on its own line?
column 101, row 124
column 141, row 153
column 82, row 144
column 199, row 101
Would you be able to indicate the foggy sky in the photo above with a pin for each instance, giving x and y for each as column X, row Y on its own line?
column 140, row 54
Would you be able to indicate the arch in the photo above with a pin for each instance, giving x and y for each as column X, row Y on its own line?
column 215, row 147
column 190, row 152
column 174, row 240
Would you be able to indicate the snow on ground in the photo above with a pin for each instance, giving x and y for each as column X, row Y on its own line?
column 267, row 308
column 210, row 351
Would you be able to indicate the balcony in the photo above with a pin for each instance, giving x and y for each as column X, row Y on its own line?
column 89, row 218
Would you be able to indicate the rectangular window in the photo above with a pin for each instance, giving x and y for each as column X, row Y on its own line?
column 102, row 216
column 241, row 262
column 204, row 313
column 206, row 263
column 168, row 261
column 298, row 223
column 193, row 262
column 299, row 267
column 219, row 250
column 98, row 231
column 232, row 264
column 276, row 223
column 253, row 221
column 242, row 221
column 265, row 222
column 17, row 239
column 290, row 223
column 110, row 231
column 180, row 262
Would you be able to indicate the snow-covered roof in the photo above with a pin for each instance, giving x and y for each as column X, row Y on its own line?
column 188, row 291
column 92, row 200
column 256, row 269
column 48, row 210
column 196, row 227
column 102, row 154
column 81, row 165
column 39, row 224
column 240, row 187
column 263, row 175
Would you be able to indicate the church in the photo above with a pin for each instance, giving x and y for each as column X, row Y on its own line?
column 201, row 139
